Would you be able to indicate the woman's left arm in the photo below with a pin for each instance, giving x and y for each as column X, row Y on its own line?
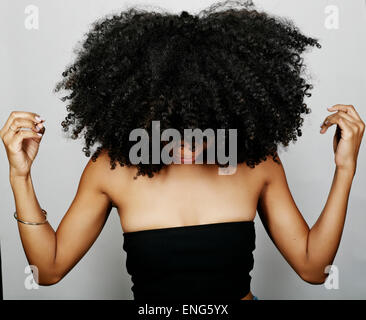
column 309, row 251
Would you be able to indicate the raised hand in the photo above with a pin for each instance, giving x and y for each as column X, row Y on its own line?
column 22, row 145
column 348, row 136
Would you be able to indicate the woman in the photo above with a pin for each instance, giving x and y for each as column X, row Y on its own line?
column 188, row 231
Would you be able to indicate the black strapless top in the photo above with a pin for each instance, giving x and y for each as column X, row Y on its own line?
column 191, row 262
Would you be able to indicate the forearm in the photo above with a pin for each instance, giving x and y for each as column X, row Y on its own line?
column 39, row 241
column 324, row 237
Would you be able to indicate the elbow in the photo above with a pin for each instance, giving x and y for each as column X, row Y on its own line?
column 50, row 275
column 313, row 277
column 49, row 282
column 47, row 279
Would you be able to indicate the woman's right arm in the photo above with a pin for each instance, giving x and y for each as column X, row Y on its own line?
column 53, row 253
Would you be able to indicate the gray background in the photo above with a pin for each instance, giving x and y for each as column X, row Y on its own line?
column 32, row 62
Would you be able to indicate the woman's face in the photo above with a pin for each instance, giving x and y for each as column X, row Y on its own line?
column 186, row 153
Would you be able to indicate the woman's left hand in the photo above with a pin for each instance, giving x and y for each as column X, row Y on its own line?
column 348, row 136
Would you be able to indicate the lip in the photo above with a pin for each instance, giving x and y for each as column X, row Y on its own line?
column 190, row 159
column 187, row 160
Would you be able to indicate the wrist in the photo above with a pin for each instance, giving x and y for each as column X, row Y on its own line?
column 15, row 177
column 349, row 171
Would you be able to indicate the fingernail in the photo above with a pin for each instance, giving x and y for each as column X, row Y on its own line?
column 40, row 134
column 39, row 119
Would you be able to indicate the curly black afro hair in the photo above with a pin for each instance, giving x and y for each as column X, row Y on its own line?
column 230, row 68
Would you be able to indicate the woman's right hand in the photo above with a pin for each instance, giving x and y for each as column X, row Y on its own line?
column 22, row 145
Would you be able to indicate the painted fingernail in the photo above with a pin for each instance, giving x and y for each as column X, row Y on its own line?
column 39, row 119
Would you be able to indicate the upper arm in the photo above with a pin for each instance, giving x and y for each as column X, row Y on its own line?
column 281, row 218
column 85, row 218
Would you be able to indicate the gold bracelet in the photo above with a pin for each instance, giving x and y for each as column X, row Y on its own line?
column 32, row 223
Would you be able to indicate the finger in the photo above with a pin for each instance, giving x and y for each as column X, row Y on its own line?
column 22, row 114
column 346, row 108
column 19, row 123
column 344, row 124
column 354, row 124
column 346, row 128
column 343, row 115
column 16, row 143
column 42, row 130
column 328, row 122
column 10, row 134
column 358, row 125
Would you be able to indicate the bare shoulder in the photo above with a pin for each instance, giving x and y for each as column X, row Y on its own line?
column 108, row 178
column 255, row 180
column 271, row 169
column 95, row 173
